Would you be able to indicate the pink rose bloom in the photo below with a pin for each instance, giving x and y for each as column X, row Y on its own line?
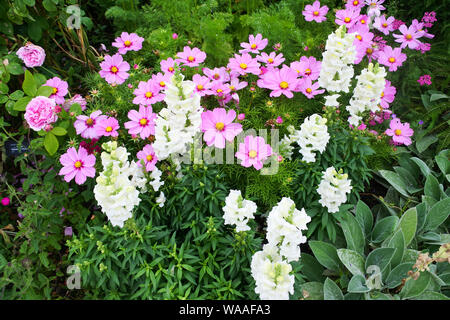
column 347, row 17
column 168, row 65
column 392, row 58
column 388, row 95
column 78, row 165
column 142, row 122
column 147, row 93
column 59, row 89
column 217, row 74
column 253, row 152
column 162, row 79
column 108, row 127
column 40, row 112
column 254, row 45
column 243, row 64
column 87, row 126
column 218, row 126
column 354, row 4
column 315, row 12
column 408, row 37
column 114, row 69
column 308, row 88
column 400, row 132
column 384, row 25
column 202, row 85
column 128, row 42
column 271, row 60
column 282, row 81
column 147, row 154
column 191, row 57
column 32, row 55
column 307, row 67
column 75, row 99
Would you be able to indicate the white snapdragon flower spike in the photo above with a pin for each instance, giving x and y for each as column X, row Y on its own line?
column 333, row 189
column 272, row 274
column 161, row 199
column 337, row 63
column 367, row 93
column 331, row 100
column 284, row 228
column 312, row 136
column 238, row 211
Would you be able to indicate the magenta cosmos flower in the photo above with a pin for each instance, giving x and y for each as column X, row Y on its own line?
column 218, row 126
column 142, row 122
column 168, row 65
column 408, row 37
column 384, row 25
column 108, row 127
column 32, row 55
column 253, row 152
column 254, row 45
column 162, row 79
column 354, row 4
column 400, row 132
column 392, row 58
column 147, row 154
column 40, row 112
column 220, row 89
column 271, row 60
column 59, row 89
column 202, row 85
column 128, row 42
column 388, row 95
column 87, row 126
column 307, row 67
column 114, row 69
column 78, row 165
column 147, row 93
column 191, row 57
column 282, row 81
column 309, row 89
column 347, row 17
column 217, row 74
column 243, row 64
column 315, row 12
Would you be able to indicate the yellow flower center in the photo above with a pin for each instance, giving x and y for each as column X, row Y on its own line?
column 308, row 71
column 171, row 69
column 358, row 37
column 270, row 60
column 55, row 90
column 114, row 69
column 355, row 3
column 316, row 13
column 191, row 58
column 143, row 121
column 309, row 90
column 148, row 94
column 127, row 43
column 220, row 126
column 108, row 129
column 252, row 154
column 385, row 25
column 382, row 94
column 149, row 158
column 89, row 121
column 347, row 20
column 216, row 76
column 253, row 46
column 162, row 84
column 199, row 87
column 391, row 59
column 243, row 66
column 78, row 164
column 284, row 85
column 219, row 90
column 408, row 36
column 363, row 21
column 398, row 132
column 369, row 50
column 232, row 87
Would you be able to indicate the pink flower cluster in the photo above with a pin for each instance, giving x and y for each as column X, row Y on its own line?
column 424, row 79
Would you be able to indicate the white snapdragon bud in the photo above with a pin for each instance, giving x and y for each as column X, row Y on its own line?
column 333, row 189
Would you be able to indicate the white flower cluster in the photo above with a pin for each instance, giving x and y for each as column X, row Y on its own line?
column 333, row 189
column 286, row 148
column 116, row 189
column 337, row 64
column 312, row 136
column 270, row 267
column 177, row 124
column 367, row 93
column 238, row 211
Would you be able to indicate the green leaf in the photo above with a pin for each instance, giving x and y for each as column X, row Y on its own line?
column 431, row 295
column 364, row 217
column 442, row 160
column 312, row 290
column 357, row 284
column 380, row 257
column 3, row 88
column 58, row 131
column 16, row 95
column 437, row 214
column 331, row 291
column 29, row 85
column 395, row 180
column 414, row 288
column 408, row 225
column 22, row 103
column 326, row 254
column 353, row 232
column 352, row 260
column 432, row 187
column 44, row 91
column 14, row 69
column 398, row 243
column 311, row 268
column 438, row 96
column 51, row 144
column 35, row 30
column 422, row 166
column 49, row 5
column 384, row 228
column 75, row 108
column 423, row 143
column 397, row 274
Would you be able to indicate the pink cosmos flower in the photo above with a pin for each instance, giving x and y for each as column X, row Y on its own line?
column 308, row 88
column 147, row 93
column 108, row 127
column 271, row 60
column 202, row 85
column 142, row 122
column 243, row 64
column 235, row 85
column 114, row 69
column 161, row 79
column 87, row 126
column 78, row 165
column 218, row 126
column 354, row 4
column 392, row 58
column 255, row 44
column 75, row 99
column 147, row 154
column 408, row 37
column 420, row 28
column 347, row 17
column 375, row 7
column 282, row 81
column 191, row 57
column 253, row 152
column 32, row 55
column 400, row 132
column 307, row 67
column 363, row 41
column 217, row 74
column 128, row 42
column 424, row 47
column 168, row 65
column 220, row 89
column 315, row 12
column 388, row 95
column 59, row 89
column 361, row 25
column 40, row 112
column 384, row 25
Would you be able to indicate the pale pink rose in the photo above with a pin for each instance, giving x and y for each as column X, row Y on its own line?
column 31, row 55
column 40, row 112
